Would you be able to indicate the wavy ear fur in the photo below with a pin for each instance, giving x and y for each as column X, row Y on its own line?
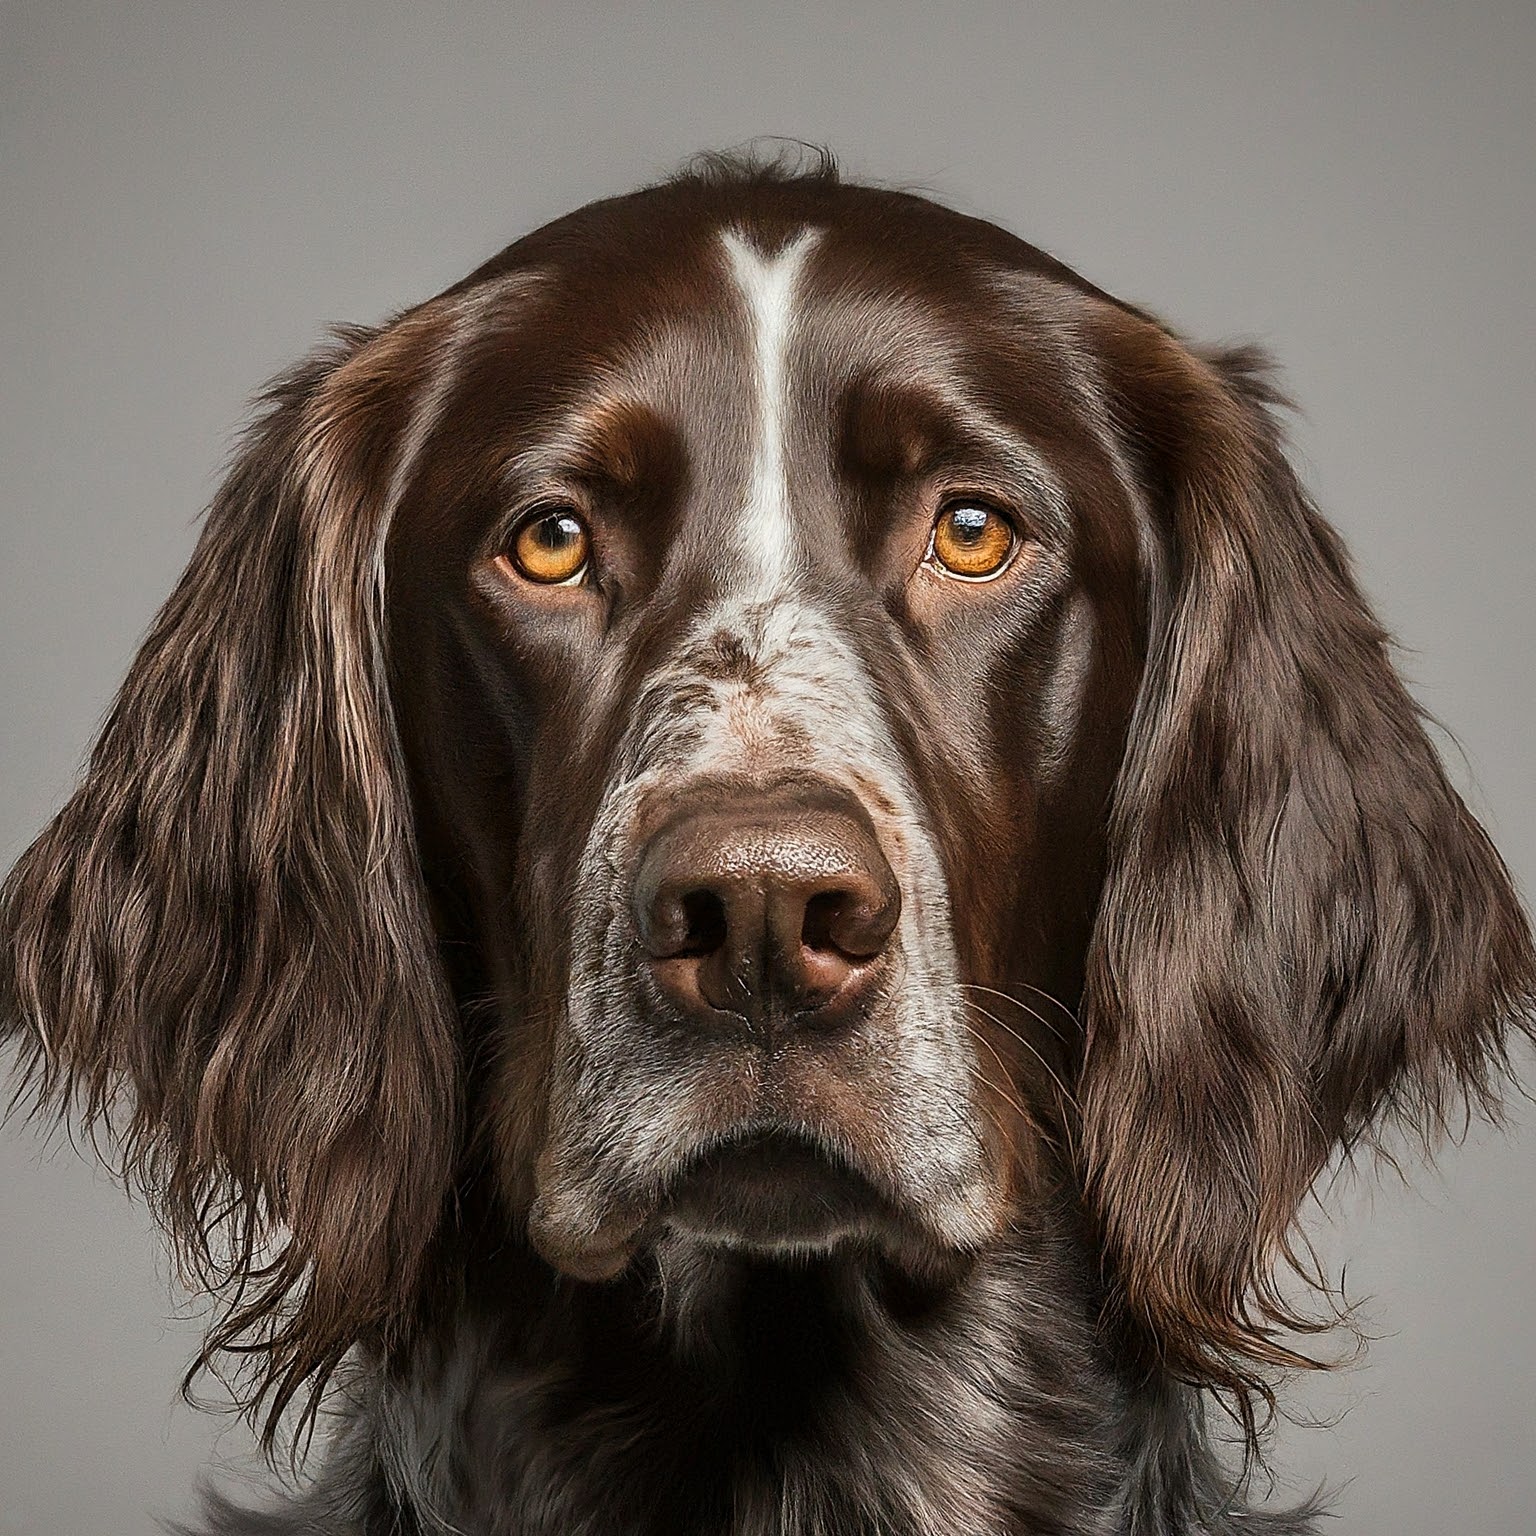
column 1304, row 930
column 223, row 933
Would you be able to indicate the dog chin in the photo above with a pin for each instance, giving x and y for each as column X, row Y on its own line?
column 777, row 1197
column 763, row 1193
column 772, row 1193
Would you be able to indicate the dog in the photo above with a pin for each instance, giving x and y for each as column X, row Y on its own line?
column 761, row 854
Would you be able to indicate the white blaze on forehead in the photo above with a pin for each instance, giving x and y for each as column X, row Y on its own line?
column 767, row 283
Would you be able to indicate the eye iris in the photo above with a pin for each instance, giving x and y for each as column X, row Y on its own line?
column 552, row 548
column 972, row 540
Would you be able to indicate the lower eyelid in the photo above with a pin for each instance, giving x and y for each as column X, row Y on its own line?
column 938, row 568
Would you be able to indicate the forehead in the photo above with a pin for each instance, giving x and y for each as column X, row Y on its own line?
column 883, row 321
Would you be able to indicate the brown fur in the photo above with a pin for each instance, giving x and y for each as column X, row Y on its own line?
column 292, row 936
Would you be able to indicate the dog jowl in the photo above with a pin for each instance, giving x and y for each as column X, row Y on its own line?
column 756, row 863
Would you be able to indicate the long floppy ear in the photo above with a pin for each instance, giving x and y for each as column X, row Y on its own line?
column 223, row 933
column 1304, row 932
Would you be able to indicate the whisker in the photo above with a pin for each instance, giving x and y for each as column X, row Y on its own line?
column 1006, row 1094
column 1028, row 1045
column 1006, row 1133
column 1030, row 1119
column 1051, row 997
column 1021, row 1004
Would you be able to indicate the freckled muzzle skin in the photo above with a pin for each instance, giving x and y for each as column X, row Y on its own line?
column 760, row 448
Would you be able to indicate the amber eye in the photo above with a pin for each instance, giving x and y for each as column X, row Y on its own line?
column 972, row 540
column 552, row 546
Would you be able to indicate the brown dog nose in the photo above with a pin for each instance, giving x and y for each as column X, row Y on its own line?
column 777, row 908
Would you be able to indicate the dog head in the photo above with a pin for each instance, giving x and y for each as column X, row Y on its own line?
column 771, row 715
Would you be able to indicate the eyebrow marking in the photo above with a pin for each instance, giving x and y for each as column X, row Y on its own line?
column 767, row 283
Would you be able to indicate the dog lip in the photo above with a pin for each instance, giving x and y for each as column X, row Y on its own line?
column 592, row 1256
column 773, row 1188
column 760, row 1186
column 767, row 1184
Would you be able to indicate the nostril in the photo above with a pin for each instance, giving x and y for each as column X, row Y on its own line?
column 821, row 913
column 704, row 922
column 681, row 924
column 842, row 930
column 837, row 921
column 852, row 923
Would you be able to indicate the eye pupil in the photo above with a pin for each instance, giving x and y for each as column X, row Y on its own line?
column 557, row 532
column 970, row 523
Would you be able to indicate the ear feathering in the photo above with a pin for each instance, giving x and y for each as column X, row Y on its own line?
column 1304, row 933
column 219, row 950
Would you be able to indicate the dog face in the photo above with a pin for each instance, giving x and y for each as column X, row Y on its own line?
column 748, row 670
column 770, row 715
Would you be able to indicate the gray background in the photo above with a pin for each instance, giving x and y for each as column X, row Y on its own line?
column 189, row 192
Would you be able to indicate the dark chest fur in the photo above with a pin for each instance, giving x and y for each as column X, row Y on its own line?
column 733, row 1397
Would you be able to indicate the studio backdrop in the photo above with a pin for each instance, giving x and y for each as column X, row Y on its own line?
column 191, row 192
